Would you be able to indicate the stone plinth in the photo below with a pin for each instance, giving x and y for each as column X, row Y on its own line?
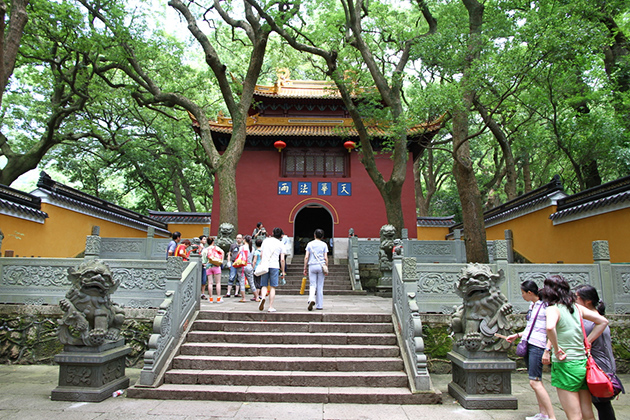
column 384, row 286
column 482, row 381
column 91, row 374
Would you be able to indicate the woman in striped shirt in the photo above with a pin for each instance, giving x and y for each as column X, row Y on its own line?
column 536, row 335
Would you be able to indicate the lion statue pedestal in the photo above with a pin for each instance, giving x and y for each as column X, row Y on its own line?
column 481, row 370
column 92, row 365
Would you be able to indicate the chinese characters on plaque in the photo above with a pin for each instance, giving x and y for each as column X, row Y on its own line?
column 323, row 188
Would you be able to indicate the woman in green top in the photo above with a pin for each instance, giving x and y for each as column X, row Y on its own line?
column 564, row 332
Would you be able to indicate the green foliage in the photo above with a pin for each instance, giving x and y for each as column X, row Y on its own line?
column 437, row 341
column 539, row 71
column 28, row 339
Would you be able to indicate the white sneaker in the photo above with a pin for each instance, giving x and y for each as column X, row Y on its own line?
column 272, row 309
column 538, row 416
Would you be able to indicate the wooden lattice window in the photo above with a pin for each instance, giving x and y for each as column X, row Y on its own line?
column 315, row 163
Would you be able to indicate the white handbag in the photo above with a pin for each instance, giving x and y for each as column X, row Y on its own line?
column 263, row 268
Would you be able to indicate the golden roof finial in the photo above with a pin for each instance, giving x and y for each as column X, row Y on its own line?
column 284, row 75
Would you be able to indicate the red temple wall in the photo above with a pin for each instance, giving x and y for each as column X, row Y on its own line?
column 258, row 174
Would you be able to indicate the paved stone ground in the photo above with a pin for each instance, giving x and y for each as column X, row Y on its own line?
column 25, row 395
column 25, row 390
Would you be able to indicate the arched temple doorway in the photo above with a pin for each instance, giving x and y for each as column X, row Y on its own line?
column 307, row 219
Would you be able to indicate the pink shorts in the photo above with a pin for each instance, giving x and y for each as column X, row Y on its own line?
column 213, row 270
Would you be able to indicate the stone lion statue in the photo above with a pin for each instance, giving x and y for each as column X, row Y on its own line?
column 90, row 317
column 388, row 236
column 484, row 311
column 225, row 237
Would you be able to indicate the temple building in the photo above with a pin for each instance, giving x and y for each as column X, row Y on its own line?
column 299, row 170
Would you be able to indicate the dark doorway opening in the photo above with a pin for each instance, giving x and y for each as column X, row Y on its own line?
column 306, row 221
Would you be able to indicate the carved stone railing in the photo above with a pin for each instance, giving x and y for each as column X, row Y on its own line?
column 39, row 281
column 353, row 263
column 435, row 284
column 436, row 251
column 148, row 248
column 176, row 313
column 423, row 251
column 408, row 323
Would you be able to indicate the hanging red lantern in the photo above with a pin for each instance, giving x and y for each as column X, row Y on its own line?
column 349, row 145
column 279, row 145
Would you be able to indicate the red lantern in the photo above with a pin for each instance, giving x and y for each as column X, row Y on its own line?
column 349, row 145
column 279, row 145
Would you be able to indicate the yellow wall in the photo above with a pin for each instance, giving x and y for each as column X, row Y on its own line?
column 538, row 240
column 426, row 233
column 61, row 236
column 187, row 231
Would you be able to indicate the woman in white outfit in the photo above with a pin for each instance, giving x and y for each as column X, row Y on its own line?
column 316, row 255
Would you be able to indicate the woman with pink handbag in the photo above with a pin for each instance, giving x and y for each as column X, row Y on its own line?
column 601, row 350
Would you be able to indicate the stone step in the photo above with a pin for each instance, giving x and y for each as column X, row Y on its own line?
column 341, row 395
column 339, row 285
column 306, row 327
column 333, row 283
column 288, row 350
column 315, row 357
column 284, row 378
column 320, row 364
column 334, row 292
column 290, row 338
column 296, row 316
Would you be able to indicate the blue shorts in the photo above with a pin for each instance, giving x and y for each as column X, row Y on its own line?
column 533, row 361
column 271, row 278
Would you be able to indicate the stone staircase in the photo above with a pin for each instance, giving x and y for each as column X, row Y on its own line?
column 289, row 357
column 337, row 281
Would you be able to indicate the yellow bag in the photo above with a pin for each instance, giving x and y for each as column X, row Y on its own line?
column 303, row 287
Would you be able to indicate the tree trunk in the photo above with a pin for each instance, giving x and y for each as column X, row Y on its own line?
column 590, row 171
column 422, row 202
column 506, row 149
column 177, row 191
column 225, row 176
column 527, row 174
column 617, row 65
column 187, row 193
column 392, row 197
column 16, row 166
column 10, row 42
column 469, row 195
column 467, row 187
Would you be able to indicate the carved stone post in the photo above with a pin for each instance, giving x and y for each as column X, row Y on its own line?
column 148, row 249
column 509, row 238
column 481, row 369
column 460, row 249
column 501, row 255
column 601, row 258
column 93, row 244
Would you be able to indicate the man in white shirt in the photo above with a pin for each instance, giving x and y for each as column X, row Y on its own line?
column 272, row 253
